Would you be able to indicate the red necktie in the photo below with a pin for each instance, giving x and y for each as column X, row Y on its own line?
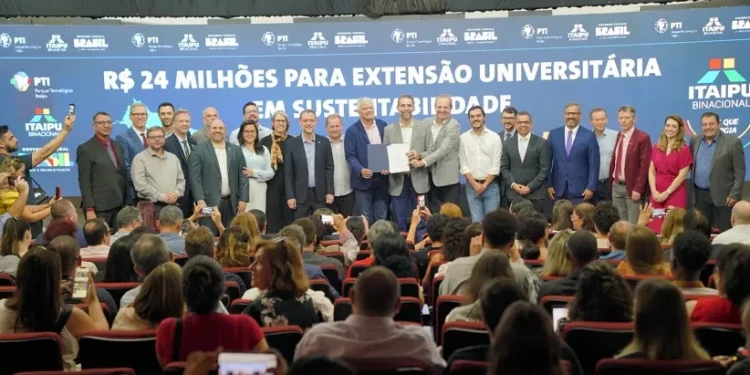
column 143, row 137
column 618, row 155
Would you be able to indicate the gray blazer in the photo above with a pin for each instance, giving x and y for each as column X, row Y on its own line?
column 729, row 165
column 205, row 177
column 104, row 186
column 532, row 171
column 420, row 142
column 442, row 155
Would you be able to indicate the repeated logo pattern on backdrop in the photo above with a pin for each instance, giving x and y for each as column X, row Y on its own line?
column 662, row 62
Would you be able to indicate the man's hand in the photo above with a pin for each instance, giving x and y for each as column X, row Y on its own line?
column 385, row 172
column 68, row 123
column 525, row 190
column 201, row 203
column 478, row 188
column 731, row 202
column 551, row 193
column 292, row 203
column 366, row 173
column 587, row 194
column 241, row 206
column 417, row 163
column 329, row 198
column 412, row 155
column 90, row 215
column 635, row 196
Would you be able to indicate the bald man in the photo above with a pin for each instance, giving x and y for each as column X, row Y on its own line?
column 209, row 115
column 216, row 180
column 740, row 232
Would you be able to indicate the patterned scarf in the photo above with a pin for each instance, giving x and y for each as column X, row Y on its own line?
column 276, row 154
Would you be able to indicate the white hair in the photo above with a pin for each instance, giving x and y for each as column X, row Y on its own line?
column 139, row 104
column 363, row 101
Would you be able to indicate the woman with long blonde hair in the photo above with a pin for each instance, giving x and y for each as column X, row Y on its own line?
column 672, row 225
column 557, row 263
column 670, row 162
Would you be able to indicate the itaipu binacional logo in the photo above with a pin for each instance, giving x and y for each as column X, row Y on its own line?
column 43, row 124
column 722, row 89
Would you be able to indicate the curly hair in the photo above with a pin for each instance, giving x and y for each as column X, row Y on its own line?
column 391, row 252
column 453, row 240
column 234, row 247
column 602, row 295
column 436, row 226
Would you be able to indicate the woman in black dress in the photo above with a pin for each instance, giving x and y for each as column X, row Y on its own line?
column 278, row 213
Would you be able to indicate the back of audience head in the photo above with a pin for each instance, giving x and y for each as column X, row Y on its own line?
column 37, row 300
column 618, row 235
column 321, row 230
column 390, row 251
column 535, row 348
column 149, row 252
column 604, row 217
column 741, row 213
column 143, row 230
column 561, row 212
column 320, row 365
column 308, row 226
column 643, row 250
column 129, row 218
column 695, row 220
column 202, row 284
column 294, row 233
column 377, row 229
column 453, row 240
column 582, row 217
column 278, row 268
column 234, row 249
column 356, row 225
column 723, row 259
column 96, row 232
column 148, row 214
column 436, row 227
column 64, row 209
column 520, row 204
column 495, row 297
column 376, row 293
column 602, row 295
column 690, row 252
column 199, row 241
column 247, row 221
column 490, row 265
column 160, row 296
column 15, row 233
column 532, row 231
column 558, row 263
column 471, row 240
column 672, row 225
column 60, row 227
column 735, row 273
column 260, row 218
column 451, row 210
column 499, row 229
column 67, row 249
column 582, row 249
column 170, row 219
column 662, row 328
column 119, row 267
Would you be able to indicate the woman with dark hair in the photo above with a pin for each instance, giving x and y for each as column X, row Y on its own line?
column 160, row 297
column 670, row 162
column 561, row 213
column 279, row 274
column 532, row 234
column 203, row 329
column 602, row 295
column 258, row 162
column 38, row 306
column 732, row 276
column 643, row 254
column 583, row 217
column 390, row 251
column 14, row 244
column 279, row 215
column 234, row 246
column 491, row 265
column 662, row 328
column 535, row 348
column 452, row 248
column 119, row 267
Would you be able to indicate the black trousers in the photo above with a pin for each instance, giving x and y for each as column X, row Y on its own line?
column 311, row 204
column 719, row 217
column 110, row 216
column 602, row 192
column 343, row 204
column 443, row 194
column 227, row 215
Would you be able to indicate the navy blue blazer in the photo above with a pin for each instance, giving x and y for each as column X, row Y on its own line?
column 172, row 144
column 131, row 144
column 580, row 169
column 355, row 148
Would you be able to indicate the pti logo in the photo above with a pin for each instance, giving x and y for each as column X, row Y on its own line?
column 716, row 66
column 21, row 81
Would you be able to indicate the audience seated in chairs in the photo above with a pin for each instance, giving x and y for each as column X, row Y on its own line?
column 583, row 217
column 493, row 265
column 202, row 328
column 525, row 343
column 740, row 365
column 694, row 219
column 455, row 245
column 602, row 296
column 320, row 364
column 96, row 232
column 235, row 247
column 249, row 222
column 391, row 252
column 309, row 256
column 377, row 229
column 434, row 241
column 70, row 259
column 358, row 226
column 690, row 252
column 128, row 219
column 521, row 204
column 148, row 214
column 38, row 306
column 644, row 255
column 283, row 296
column 618, row 237
column 14, row 244
column 119, row 267
column 605, row 216
column 581, row 250
column 200, row 241
column 662, row 328
column 64, row 222
column 533, row 234
column 371, row 331
column 732, row 275
column 170, row 226
column 561, row 213
column 149, row 252
column 297, row 236
column 740, row 224
column 260, row 219
column 160, row 297
column 672, row 225
column 557, row 263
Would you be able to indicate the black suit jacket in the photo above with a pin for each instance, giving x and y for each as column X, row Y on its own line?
column 103, row 185
column 532, row 171
column 172, row 144
column 295, row 169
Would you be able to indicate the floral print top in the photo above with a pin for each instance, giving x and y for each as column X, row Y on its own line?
column 278, row 309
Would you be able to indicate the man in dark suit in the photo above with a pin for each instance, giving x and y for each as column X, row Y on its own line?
column 525, row 164
column 215, row 169
column 508, row 121
column 102, row 173
column 718, row 173
column 370, row 187
column 629, row 166
column 181, row 143
column 575, row 159
column 308, row 169
column 133, row 141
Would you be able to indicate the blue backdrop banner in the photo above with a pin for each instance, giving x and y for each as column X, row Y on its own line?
column 681, row 62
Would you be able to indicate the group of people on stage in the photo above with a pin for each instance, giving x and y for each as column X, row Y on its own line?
column 288, row 177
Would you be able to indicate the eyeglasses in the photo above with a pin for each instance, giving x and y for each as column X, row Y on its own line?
column 572, row 113
column 508, row 118
column 138, row 114
column 249, row 132
column 155, row 137
column 103, row 122
column 280, row 120
column 523, row 122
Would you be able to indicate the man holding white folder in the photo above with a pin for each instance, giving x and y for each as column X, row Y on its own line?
column 479, row 161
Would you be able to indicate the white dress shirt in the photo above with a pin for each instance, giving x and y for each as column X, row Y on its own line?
column 406, row 131
column 221, row 155
column 341, row 184
column 480, row 154
column 523, row 144
column 373, row 133
column 435, row 128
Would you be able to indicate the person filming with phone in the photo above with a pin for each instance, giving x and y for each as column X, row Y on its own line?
column 16, row 168
column 16, row 209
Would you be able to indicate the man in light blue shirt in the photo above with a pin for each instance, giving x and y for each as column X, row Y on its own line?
column 618, row 235
column 170, row 224
column 606, row 138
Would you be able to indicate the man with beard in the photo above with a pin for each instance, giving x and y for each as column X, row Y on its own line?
column 157, row 175
column 479, row 160
column 166, row 115
column 209, row 115
column 250, row 113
